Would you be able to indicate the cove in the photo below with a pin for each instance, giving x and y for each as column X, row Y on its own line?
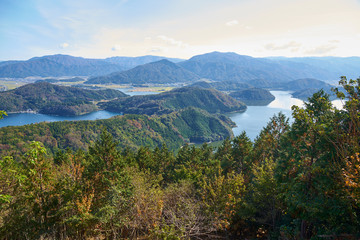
column 255, row 118
column 18, row 119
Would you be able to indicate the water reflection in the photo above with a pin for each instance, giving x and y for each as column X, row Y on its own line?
column 19, row 119
column 339, row 104
column 256, row 117
column 133, row 92
column 283, row 100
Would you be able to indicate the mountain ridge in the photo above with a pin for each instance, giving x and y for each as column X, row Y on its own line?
column 162, row 71
column 241, row 68
column 218, row 66
column 209, row 100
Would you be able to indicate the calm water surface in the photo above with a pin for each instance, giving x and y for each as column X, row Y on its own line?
column 131, row 92
column 251, row 121
column 256, row 117
column 18, row 119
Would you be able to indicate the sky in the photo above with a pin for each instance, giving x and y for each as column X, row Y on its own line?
column 178, row 28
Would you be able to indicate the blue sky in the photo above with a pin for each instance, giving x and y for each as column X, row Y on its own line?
column 178, row 28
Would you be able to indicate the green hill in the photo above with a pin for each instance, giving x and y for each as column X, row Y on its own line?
column 254, row 96
column 174, row 129
column 305, row 88
column 210, row 100
column 305, row 83
column 47, row 98
column 222, row 86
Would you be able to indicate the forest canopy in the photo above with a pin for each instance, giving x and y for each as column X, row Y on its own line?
column 295, row 181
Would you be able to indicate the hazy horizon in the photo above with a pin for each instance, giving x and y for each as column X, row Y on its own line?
column 179, row 28
column 153, row 55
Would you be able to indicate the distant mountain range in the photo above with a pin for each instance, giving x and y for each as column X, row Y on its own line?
column 336, row 66
column 214, row 66
column 162, row 71
column 131, row 62
column 233, row 67
column 65, row 65
column 56, row 66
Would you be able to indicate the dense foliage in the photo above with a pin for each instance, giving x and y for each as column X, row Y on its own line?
column 223, row 85
column 295, row 181
column 253, row 96
column 47, row 98
column 305, row 88
column 175, row 129
column 210, row 100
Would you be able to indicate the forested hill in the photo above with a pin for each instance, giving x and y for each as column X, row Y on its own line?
column 297, row 180
column 223, row 86
column 302, row 84
column 210, row 100
column 48, row 98
column 132, row 131
column 162, row 71
column 253, row 96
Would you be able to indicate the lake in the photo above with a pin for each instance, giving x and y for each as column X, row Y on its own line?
column 18, row 119
column 255, row 118
column 134, row 92
column 251, row 121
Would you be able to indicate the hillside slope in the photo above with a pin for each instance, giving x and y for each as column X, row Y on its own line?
column 132, row 131
column 210, row 100
column 335, row 66
column 301, row 84
column 57, row 65
column 233, row 67
column 254, row 96
column 162, row 71
column 47, row 98
column 130, row 62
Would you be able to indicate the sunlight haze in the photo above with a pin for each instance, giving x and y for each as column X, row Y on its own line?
column 178, row 28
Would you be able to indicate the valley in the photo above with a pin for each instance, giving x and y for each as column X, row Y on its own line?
column 212, row 142
column 180, row 120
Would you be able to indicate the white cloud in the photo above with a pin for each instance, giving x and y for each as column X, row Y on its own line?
column 64, row 45
column 322, row 49
column 232, row 23
column 172, row 41
column 293, row 46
